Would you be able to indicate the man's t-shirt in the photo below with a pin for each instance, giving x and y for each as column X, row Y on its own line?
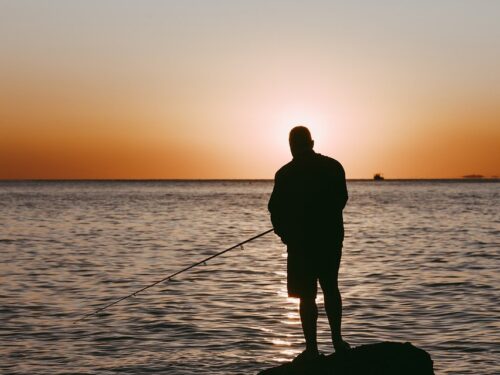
column 307, row 201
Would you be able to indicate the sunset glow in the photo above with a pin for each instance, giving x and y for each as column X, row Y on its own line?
column 174, row 89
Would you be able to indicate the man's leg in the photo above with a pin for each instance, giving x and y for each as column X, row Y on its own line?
column 333, row 307
column 302, row 283
column 309, row 318
column 333, row 302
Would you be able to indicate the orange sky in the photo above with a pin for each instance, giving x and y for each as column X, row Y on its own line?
column 170, row 90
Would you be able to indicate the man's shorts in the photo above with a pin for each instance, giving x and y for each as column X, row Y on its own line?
column 308, row 265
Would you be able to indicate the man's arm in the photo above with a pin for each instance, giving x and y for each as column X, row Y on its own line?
column 276, row 207
column 344, row 195
column 338, row 186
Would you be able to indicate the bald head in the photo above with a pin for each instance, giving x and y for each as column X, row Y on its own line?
column 300, row 140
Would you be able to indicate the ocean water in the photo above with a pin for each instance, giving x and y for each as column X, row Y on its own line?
column 421, row 263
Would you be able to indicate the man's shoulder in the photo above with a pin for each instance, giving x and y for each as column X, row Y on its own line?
column 318, row 160
column 328, row 161
column 284, row 170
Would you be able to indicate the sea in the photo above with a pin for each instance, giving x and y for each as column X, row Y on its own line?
column 421, row 264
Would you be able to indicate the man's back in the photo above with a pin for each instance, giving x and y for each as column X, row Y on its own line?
column 306, row 210
column 308, row 198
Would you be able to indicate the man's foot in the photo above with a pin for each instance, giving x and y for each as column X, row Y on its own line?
column 341, row 346
column 307, row 356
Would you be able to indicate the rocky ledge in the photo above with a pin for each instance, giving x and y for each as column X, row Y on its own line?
column 385, row 358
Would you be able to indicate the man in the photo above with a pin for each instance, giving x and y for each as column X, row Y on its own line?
column 306, row 211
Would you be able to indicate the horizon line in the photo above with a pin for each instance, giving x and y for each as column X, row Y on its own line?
column 484, row 178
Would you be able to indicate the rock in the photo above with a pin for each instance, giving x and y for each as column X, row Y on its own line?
column 385, row 358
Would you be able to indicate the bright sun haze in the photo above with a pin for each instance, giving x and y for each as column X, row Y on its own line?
column 210, row 89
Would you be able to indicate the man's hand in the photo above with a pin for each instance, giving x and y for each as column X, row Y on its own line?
column 280, row 235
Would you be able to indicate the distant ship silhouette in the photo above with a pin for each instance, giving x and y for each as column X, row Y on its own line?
column 378, row 177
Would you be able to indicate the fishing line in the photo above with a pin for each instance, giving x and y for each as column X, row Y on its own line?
column 240, row 245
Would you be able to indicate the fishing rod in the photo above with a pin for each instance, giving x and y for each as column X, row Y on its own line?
column 172, row 275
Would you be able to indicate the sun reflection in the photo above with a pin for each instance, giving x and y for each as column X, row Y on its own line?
column 292, row 316
column 292, row 301
column 279, row 342
column 291, row 322
column 286, row 354
column 263, row 329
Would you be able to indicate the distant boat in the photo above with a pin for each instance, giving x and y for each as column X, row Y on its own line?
column 473, row 176
column 378, row 177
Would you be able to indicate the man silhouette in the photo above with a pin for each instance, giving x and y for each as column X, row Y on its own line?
column 306, row 211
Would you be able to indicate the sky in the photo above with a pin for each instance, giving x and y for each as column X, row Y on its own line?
column 210, row 88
